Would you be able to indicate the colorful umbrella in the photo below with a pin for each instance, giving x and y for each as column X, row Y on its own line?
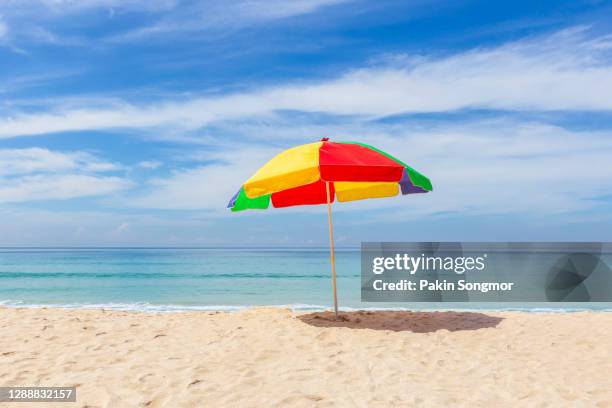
column 321, row 172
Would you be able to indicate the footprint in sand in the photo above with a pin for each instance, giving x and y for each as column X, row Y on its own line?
column 143, row 378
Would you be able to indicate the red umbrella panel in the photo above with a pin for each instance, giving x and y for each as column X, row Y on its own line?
column 324, row 171
column 355, row 171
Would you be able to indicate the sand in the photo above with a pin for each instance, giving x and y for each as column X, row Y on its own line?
column 274, row 357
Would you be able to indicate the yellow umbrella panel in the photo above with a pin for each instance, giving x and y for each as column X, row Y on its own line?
column 319, row 173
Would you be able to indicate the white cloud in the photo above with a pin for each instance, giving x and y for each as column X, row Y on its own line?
column 121, row 228
column 78, row 227
column 35, row 159
column 58, row 187
column 188, row 189
column 40, row 174
column 205, row 187
column 164, row 17
column 215, row 15
column 150, row 164
column 505, row 167
column 3, row 28
column 485, row 167
column 273, row 9
column 566, row 71
column 34, row 21
column 59, row 7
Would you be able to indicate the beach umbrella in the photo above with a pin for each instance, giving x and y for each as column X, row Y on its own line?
column 323, row 172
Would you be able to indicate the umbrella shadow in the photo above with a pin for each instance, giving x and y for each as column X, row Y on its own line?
column 417, row 322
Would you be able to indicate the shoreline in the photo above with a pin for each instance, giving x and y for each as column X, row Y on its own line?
column 298, row 308
column 271, row 356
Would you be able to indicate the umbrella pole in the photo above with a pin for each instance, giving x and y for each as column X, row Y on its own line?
column 331, row 250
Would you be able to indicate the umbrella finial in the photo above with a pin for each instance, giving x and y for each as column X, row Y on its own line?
column 325, row 139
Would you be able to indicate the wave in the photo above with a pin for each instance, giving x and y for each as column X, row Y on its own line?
column 298, row 307
column 161, row 275
column 149, row 307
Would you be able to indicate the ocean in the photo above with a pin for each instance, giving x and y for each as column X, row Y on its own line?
column 174, row 279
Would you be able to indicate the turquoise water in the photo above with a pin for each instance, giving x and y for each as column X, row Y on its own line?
column 179, row 279
column 145, row 278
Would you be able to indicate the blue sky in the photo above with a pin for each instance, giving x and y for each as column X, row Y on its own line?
column 132, row 122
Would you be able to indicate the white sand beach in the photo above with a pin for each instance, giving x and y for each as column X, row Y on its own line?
column 273, row 357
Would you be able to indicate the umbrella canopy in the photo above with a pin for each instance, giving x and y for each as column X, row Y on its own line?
column 354, row 171
column 322, row 172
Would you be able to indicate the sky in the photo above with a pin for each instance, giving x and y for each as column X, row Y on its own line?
column 133, row 122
